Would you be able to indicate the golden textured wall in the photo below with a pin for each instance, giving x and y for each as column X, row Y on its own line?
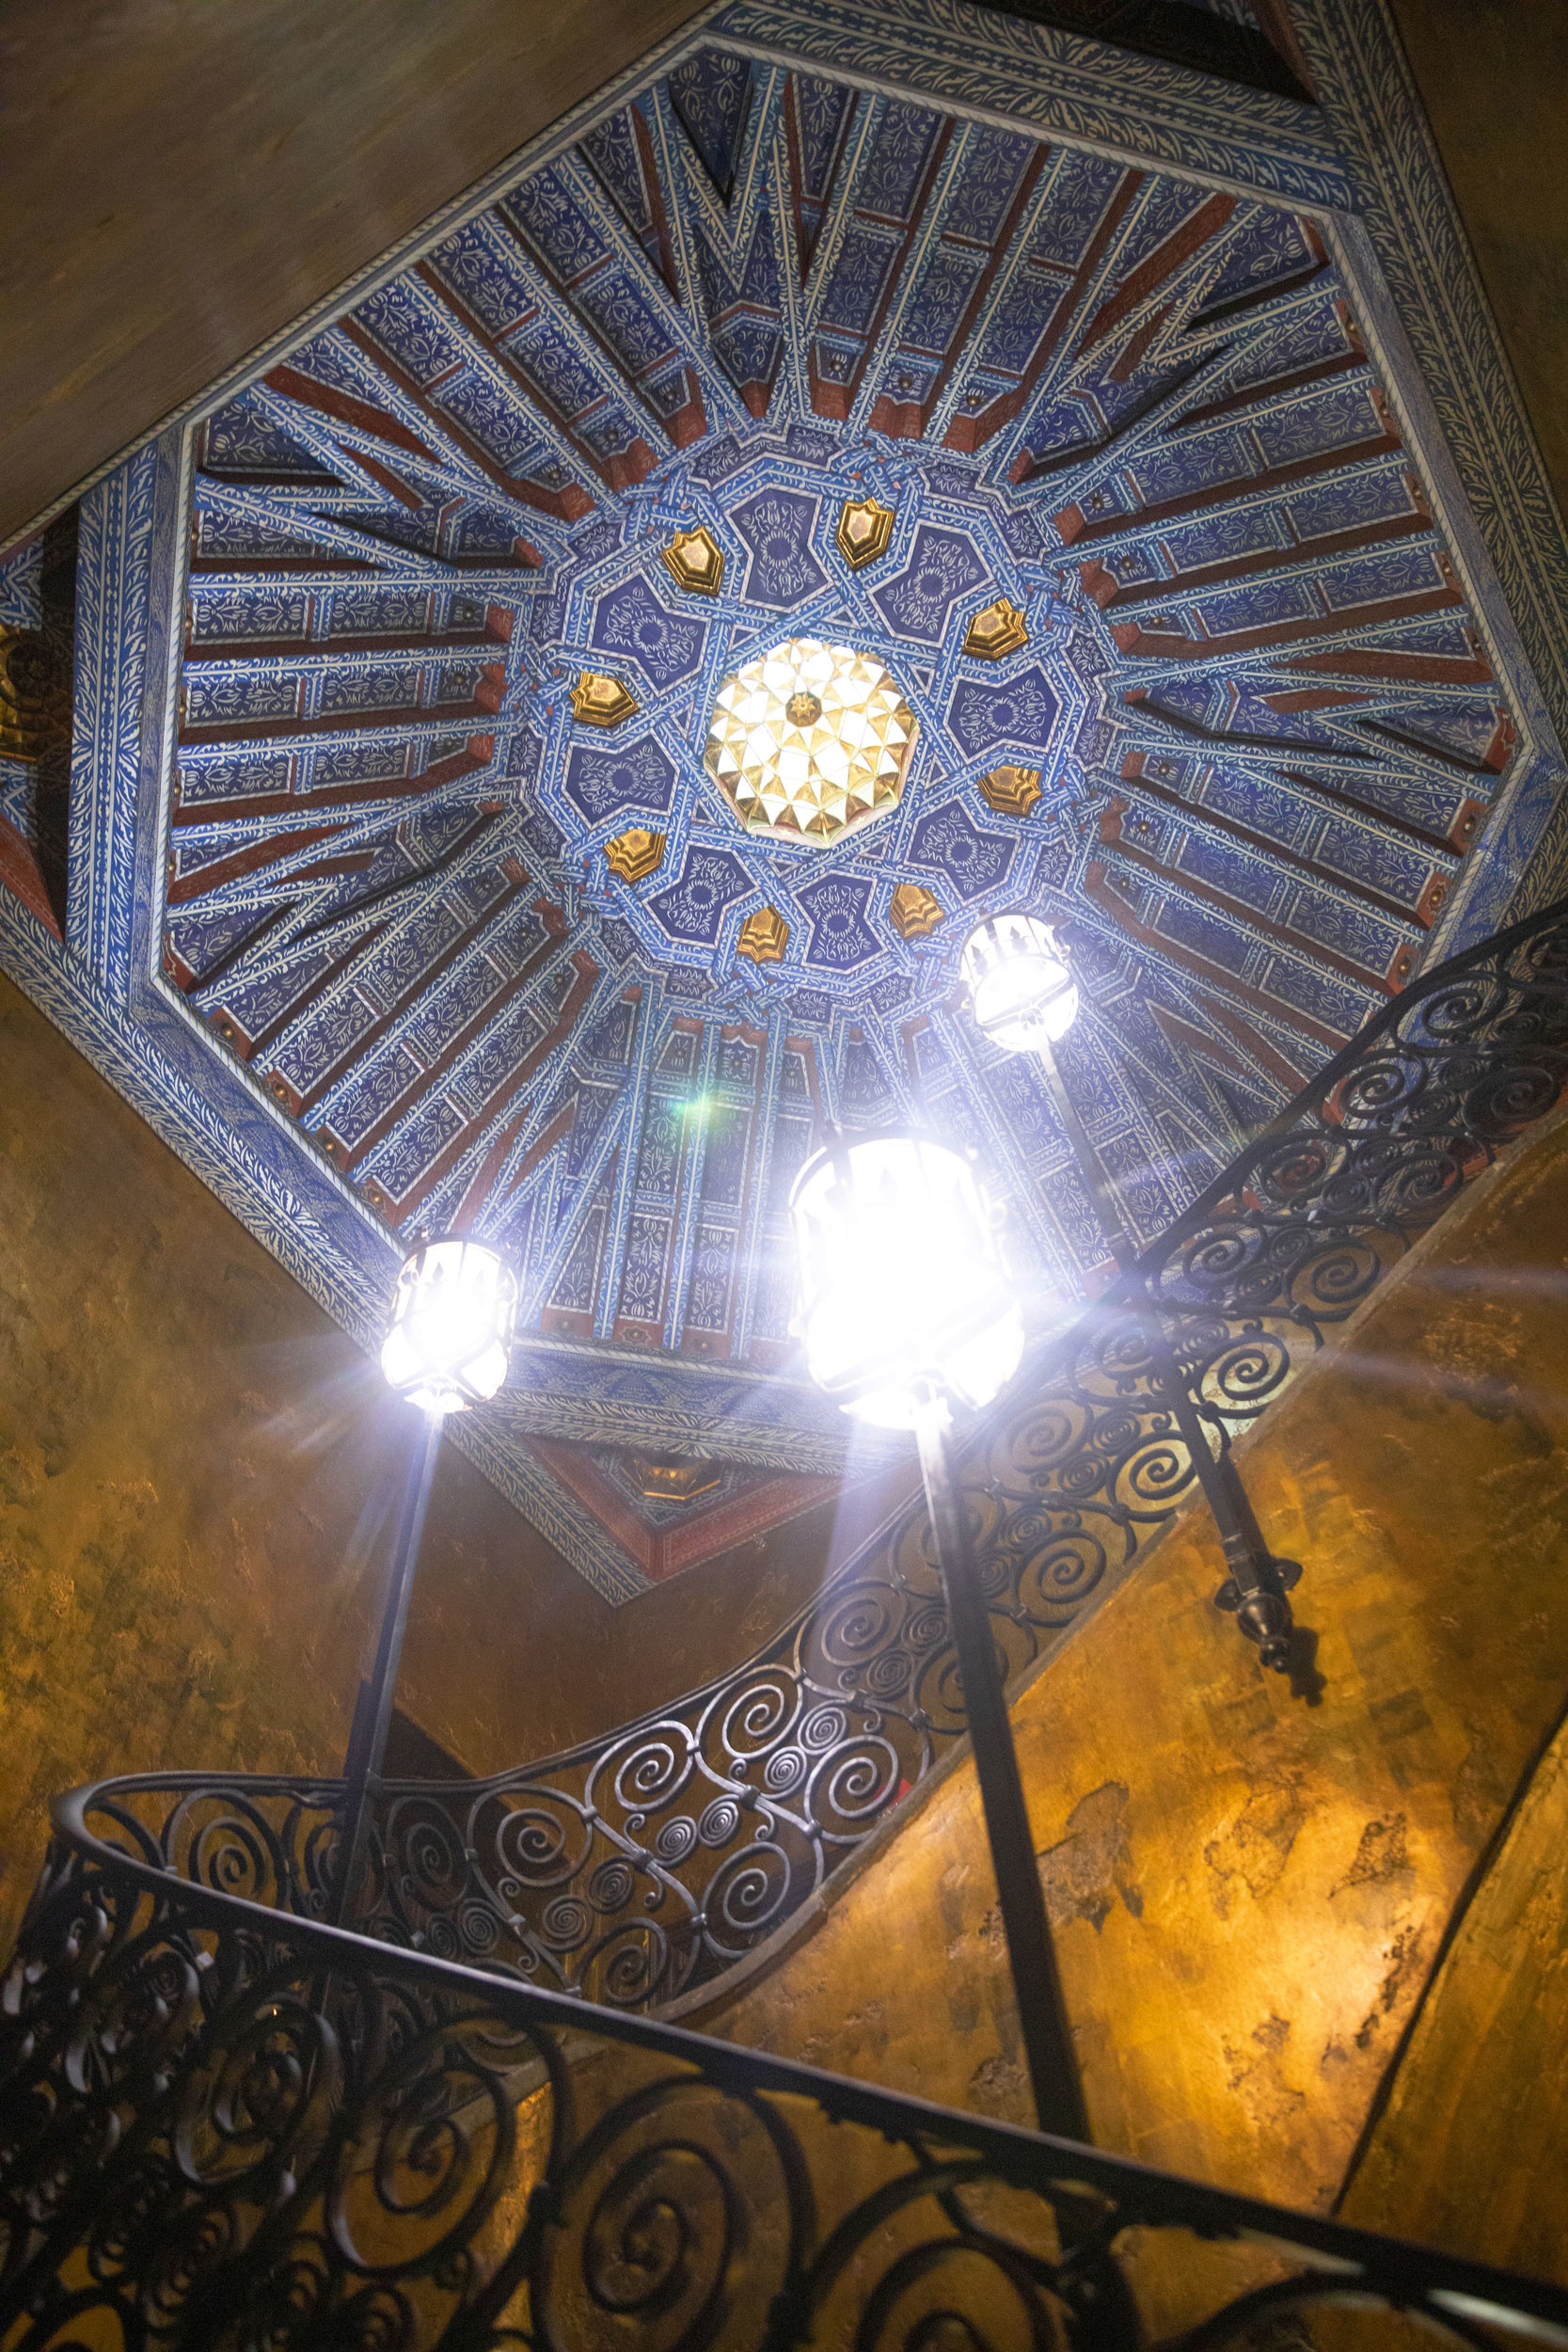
column 1471, row 2150
column 1249, row 1888
column 194, row 1471
column 1493, row 76
column 183, row 180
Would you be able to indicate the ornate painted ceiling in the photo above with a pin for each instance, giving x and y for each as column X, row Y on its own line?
column 1112, row 470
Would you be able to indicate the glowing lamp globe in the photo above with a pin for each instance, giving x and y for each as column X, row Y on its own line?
column 1019, row 983
column 904, row 1290
column 449, row 1335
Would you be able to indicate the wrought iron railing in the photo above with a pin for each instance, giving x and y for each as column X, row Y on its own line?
column 646, row 1862
column 226, row 2130
column 644, row 1865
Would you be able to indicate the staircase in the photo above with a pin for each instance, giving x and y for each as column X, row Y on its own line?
column 228, row 2122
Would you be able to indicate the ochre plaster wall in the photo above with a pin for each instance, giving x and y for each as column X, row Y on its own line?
column 196, row 1467
column 1471, row 2150
column 180, row 180
column 1493, row 76
column 1248, row 1889
column 512, row 1657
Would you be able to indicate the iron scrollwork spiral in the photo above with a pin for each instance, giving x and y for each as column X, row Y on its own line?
column 644, row 1865
column 222, row 2125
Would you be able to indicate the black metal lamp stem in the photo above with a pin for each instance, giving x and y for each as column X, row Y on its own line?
column 373, row 1716
column 1042, row 2016
column 1256, row 1585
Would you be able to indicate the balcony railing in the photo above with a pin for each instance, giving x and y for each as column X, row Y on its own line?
column 645, row 1864
column 227, row 2129
column 224, row 2123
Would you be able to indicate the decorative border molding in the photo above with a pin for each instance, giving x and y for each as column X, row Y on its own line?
column 1370, row 105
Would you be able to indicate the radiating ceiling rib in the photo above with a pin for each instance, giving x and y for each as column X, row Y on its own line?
column 730, row 234
column 465, row 855
column 1158, row 276
column 647, row 1033
column 525, row 1175
column 763, row 1140
column 1230, row 408
column 1082, row 286
column 396, row 381
column 1100, row 887
column 634, row 265
column 503, row 366
column 460, row 466
column 497, row 1103
column 1418, row 751
column 1174, row 732
column 304, row 998
column 843, row 400
column 427, row 475
column 199, row 882
column 551, row 1074
column 419, row 788
column 1199, row 357
column 319, row 656
column 548, row 1267
column 389, row 1023
column 1007, row 258
column 390, row 558
column 1152, row 643
column 689, row 1178
column 1298, row 558
column 1211, row 822
column 1238, row 494
column 942, row 180
column 1250, row 920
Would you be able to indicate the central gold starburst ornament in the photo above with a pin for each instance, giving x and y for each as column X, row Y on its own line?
column 810, row 740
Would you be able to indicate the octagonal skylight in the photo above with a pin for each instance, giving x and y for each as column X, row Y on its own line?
column 810, row 741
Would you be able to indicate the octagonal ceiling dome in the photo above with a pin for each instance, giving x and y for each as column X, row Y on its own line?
column 373, row 962
column 810, row 741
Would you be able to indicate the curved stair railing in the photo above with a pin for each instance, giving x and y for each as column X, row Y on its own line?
column 644, row 1865
column 227, row 2129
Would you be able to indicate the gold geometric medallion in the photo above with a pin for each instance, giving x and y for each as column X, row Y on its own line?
column 695, row 561
column 634, row 853
column 998, row 630
column 1013, row 790
column 810, row 740
column 915, row 913
column 865, row 531
column 666, row 1479
column 601, row 702
column 764, row 936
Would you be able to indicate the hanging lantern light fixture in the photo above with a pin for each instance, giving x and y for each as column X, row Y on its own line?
column 904, row 1287
column 907, row 1309
column 1024, row 996
column 449, row 1335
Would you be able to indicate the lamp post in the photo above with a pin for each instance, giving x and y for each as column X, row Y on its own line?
column 906, row 1309
column 1025, row 1000
column 447, row 1344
